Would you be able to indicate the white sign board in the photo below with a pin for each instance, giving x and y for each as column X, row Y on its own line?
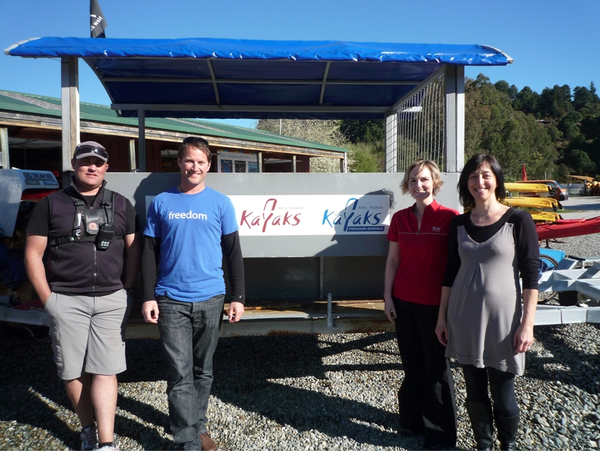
column 312, row 214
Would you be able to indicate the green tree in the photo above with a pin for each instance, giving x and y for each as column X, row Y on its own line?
column 569, row 125
column 324, row 132
column 368, row 137
column 510, row 90
column 555, row 103
column 527, row 101
column 579, row 162
column 369, row 131
column 364, row 157
column 554, row 133
column 494, row 127
column 563, row 171
column 586, row 99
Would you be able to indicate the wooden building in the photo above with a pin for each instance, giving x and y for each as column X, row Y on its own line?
column 30, row 138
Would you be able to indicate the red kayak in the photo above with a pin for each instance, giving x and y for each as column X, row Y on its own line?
column 568, row 227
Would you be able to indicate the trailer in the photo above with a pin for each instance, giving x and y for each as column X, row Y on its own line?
column 314, row 248
column 327, row 275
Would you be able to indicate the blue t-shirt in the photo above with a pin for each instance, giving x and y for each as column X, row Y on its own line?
column 190, row 227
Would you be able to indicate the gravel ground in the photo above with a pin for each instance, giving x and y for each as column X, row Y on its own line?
column 310, row 392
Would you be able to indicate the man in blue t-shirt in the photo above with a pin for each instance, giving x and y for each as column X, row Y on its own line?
column 190, row 229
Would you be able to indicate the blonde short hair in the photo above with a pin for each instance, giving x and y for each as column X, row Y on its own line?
column 419, row 165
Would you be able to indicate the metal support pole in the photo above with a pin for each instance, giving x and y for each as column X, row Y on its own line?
column 454, row 84
column 71, row 131
column 329, row 311
column 321, row 277
column 132, row 162
column 391, row 143
column 259, row 155
column 4, row 149
column 142, row 139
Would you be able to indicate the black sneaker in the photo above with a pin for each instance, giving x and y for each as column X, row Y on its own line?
column 89, row 438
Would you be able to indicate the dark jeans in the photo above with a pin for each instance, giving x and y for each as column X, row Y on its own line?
column 502, row 388
column 426, row 398
column 189, row 333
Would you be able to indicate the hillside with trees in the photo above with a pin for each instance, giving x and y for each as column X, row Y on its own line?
column 555, row 133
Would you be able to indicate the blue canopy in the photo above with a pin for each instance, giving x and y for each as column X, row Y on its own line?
column 228, row 78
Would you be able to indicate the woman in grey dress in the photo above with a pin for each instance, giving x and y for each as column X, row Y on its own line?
column 481, row 319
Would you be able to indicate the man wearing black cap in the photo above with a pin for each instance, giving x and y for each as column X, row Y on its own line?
column 81, row 256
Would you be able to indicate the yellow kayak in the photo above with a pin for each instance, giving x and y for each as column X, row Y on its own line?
column 531, row 202
column 544, row 216
column 527, row 187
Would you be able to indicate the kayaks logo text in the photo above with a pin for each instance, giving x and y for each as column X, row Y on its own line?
column 269, row 217
column 355, row 217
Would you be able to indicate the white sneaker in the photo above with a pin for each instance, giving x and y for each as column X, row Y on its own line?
column 114, row 447
column 89, row 438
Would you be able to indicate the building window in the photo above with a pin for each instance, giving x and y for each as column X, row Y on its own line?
column 237, row 162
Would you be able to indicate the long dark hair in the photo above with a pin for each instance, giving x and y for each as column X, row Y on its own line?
column 474, row 163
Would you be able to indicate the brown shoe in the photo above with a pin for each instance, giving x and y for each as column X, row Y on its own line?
column 208, row 444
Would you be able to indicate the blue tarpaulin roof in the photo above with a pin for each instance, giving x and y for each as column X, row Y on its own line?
column 227, row 78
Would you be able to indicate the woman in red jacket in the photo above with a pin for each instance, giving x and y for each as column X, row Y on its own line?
column 414, row 271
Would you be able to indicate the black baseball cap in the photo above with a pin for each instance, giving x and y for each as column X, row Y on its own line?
column 90, row 149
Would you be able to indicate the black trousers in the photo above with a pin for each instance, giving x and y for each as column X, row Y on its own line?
column 426, row 398
column 502, row 388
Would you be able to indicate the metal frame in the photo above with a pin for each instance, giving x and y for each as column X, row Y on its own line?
column 454, row 120
column 454, row 112
column 368, row 317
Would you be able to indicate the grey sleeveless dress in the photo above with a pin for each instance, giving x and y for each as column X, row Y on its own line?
column 484, row 309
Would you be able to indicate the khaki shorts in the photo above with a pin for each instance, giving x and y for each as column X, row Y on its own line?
column 88, row 333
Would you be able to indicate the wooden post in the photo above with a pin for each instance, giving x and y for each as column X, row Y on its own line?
column 4, row 149
column 70, row 109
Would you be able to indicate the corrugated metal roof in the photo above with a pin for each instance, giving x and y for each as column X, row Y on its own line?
column 51, row 106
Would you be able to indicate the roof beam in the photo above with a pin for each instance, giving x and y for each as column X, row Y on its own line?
column 436, row 74
column 252, row 108
column 214, row 82
column 324, row 82
column 246, row 81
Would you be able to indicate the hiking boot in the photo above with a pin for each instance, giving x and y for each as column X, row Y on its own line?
column 482, row 423
column 89, row 438
column 208, row 444
column 507, row 431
